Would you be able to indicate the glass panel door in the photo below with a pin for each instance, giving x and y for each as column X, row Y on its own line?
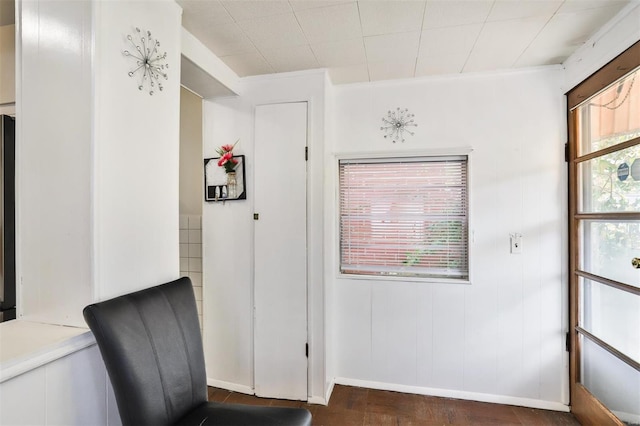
column 604, row 186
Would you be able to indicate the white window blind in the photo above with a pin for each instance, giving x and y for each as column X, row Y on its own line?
column 404, row 217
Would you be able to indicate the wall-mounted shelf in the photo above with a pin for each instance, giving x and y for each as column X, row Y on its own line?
column 215, row 181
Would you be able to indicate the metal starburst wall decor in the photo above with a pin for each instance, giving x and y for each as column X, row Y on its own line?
column 396, row 123
column 150, row 63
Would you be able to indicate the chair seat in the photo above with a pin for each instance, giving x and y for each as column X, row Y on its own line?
column 218, row 414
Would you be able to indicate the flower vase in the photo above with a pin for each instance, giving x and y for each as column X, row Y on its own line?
column 231, row 185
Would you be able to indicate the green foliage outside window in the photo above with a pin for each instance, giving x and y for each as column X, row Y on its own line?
column 605, row 192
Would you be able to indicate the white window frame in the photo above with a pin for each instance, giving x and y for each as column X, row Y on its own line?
column 395, row 156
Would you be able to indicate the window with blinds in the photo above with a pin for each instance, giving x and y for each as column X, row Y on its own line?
column 404, row 217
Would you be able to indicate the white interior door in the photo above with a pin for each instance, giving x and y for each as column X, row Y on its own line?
column 280, row 289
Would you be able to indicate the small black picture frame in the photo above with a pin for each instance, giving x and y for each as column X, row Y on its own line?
column 215, row 180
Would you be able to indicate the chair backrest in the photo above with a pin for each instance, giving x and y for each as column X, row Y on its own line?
column 152, row 347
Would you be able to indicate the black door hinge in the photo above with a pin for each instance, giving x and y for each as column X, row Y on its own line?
column 306, row 350
column 566, row 152
column 567, row 342
column 306, row 153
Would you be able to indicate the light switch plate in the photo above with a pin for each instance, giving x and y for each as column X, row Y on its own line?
column 516, row 243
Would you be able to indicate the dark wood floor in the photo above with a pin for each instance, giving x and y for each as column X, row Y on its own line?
column 350, row 406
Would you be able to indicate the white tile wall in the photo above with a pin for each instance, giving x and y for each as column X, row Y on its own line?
column 191, row 255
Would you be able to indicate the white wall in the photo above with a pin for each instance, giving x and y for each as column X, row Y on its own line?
column 329, row 296
column 97, row 160
column 54, row 162
column 501, row 338
column 136, row 154
column 228, row 233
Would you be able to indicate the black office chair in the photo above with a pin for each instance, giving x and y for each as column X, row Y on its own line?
column 151, row 345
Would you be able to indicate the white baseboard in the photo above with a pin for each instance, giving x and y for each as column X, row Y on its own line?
column 446, row 393
column 332, row 383
column 317, row 400
column 249, row 390
column 322, row 400
column 230, row 386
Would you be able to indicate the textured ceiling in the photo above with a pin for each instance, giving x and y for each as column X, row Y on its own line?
column 372, row 40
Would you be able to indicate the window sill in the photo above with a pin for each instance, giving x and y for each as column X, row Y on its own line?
column 390, row 278
column 26, row 345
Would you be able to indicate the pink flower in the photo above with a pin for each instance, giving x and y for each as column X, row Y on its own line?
column 226, row 157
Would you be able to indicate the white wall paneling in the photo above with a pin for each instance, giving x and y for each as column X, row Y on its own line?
column 227, row 256
column 54, row 161
column 502, row 336
column 73, row 390
column 329, row 168
column 74, row 401
column 15, row 408
column 280, row 280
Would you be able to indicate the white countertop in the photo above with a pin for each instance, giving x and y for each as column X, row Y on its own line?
column 26, row 345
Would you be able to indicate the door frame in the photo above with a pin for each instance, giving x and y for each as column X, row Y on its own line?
column 584, row 405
